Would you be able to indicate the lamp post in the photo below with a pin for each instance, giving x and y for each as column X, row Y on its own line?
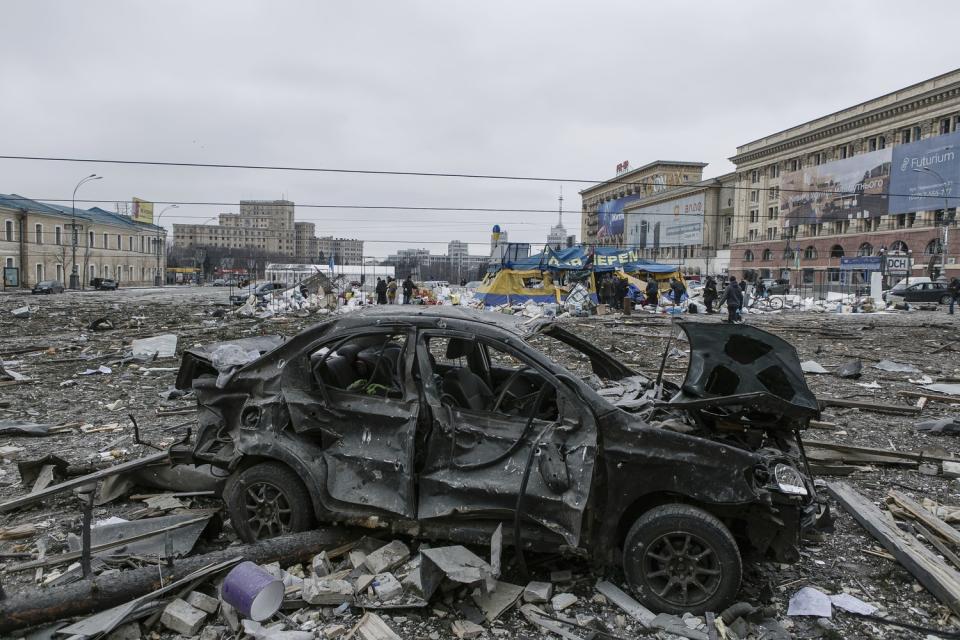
column 74, row 275
column 946, row 227
column 157, row 281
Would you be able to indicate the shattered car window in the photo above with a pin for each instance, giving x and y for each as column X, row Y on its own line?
column 366, row 364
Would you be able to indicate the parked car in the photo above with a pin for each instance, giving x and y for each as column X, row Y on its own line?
column 104, row 284
column 219, row 282
column 780, row 286
column 935, row 292
column 903, row 284
column 231, row 282
column 444, row 422
column 47, row 287
column 259, row 291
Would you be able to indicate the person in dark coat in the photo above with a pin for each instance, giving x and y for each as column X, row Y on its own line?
column 381, row 291
column 709, row 293
column 408, row 288
column 733, row 297
column 619, row 291
column 606, row 291
column 677, row 288
column 954, row 289
column 653, row 291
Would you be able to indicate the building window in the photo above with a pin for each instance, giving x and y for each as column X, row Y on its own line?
column 810, row 253
column 105, row 241
column 57, row 235
column 866, row 249
column 755, row 176
column 771, row 233
column 843, row 152
column 39, row 231
column 905, row 136
column 774, row 194
column 788, row 254
column 944, row 125
column 142, row 245
column 899, row 247
column 881, row 142
column 59, row 273
column 819, row 158
column 106, row 271
column 872, row 144
column 130, row 243
column 917, row 133
column 795, row 164
column 767, row 255
column 754, row 215
column 90, row 240
column 836, row 251
column 774, row 171
column 934, row 247
column 754, row 195
column 748, row 256
column 119, row 243
column 8, row 230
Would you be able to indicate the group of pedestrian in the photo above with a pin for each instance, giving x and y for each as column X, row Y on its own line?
column 613, row 289
column 386, row 290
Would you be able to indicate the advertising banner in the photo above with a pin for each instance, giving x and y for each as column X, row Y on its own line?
column 861, row 263
column 142, row 211
column 841, row 190
column 924, row 172
column 610, row 216
column 569, row 259
column 672, row 223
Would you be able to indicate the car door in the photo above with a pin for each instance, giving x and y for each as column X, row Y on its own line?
column 353, row 394
column 477, row 458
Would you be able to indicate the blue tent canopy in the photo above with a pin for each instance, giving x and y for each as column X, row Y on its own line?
column 614, row 258
column 604, row 259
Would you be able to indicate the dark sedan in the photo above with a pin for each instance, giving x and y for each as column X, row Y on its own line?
column 47, row 287
column 446, row 423
column 259, row 291
column 930, row 292
column 104, row 284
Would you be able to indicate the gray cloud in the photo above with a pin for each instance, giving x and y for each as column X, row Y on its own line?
column 532, row 88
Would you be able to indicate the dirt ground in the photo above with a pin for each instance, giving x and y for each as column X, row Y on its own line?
column 55, row 344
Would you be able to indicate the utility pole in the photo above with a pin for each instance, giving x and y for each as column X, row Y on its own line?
column 157, row 281
column 946, row 220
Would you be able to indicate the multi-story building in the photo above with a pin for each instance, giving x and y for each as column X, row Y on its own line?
column 691, row 226
column 602, row 221
column 877, row 177
column 37, row 243
column 305, row 241
column 343, row 250
column 456, row 266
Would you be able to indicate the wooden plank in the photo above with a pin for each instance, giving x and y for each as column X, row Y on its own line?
column 868, row 406
column 80, row 481
column 927, row 519
column 932, row 397
column 940, row 579
column 917, row 456
column 937, row 544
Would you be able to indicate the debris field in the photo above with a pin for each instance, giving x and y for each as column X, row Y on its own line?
column 87, row 382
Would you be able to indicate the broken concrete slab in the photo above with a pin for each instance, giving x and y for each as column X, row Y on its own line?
column 465, row 629
column 163, row 346
column 811, row 366
column 896, row 367
column 372, row 627
column 182, row 617
column 387, row 557
column 850, row 369
column 538, row 592
column 327, row 591
column 21, row 312
column 563, row 601
column 321, row 565
column 386, row 587
column 203, row 602
column 495, row 602
column 456, row 563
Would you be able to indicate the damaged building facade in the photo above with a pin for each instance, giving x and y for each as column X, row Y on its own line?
column 816, row 193
column 36, row 244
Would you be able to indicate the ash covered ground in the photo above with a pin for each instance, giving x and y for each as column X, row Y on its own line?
column 56, row 344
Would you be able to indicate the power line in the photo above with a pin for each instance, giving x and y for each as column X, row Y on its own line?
column 426, row 174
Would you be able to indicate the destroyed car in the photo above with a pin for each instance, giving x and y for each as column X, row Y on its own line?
column 260, row 291
column 445, row 423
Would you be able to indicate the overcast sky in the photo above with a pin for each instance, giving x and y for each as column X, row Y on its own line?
column 515, row 87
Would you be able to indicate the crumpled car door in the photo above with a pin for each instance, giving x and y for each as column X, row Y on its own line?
column 368, row 441
column 474, row 461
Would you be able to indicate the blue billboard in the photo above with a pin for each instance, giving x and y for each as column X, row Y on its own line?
column 610, row 216
column 860, row 263
column 925, row 172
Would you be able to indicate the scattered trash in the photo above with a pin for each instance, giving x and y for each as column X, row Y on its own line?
column 101, row 324
column 810, row 602
column 849, row 369
column 162, row 346
column 869, row 385
column 949, row 425
column 252, row 591
column 21, row 312
column 101, row 369
column 895, row 367
column 852, row 604
column 949, row 389
column 810, row 366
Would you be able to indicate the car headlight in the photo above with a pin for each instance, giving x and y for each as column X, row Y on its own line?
column 789, row 480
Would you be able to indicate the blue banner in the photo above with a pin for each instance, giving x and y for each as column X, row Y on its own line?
column 860, row 263
column 610, row 216
column 924, row 173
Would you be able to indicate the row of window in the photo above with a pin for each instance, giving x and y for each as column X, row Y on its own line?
column 146, row 244
column 934, row 247
column 948, row 124
column 119, row 271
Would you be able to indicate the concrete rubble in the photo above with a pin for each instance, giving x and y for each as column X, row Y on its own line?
column 399, row 587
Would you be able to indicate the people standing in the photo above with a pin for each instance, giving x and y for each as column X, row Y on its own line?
column 653, row 291
column 391, row 290
column 408, row 288
column 381, row 291
column 619, row 292
column 606, row 291
column 744, row 295
column 759, row 289
column 709, row 293
column 733, row 297
column 954, row 289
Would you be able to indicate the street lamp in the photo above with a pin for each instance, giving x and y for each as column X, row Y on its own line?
column 943, row 249
column 156, row 278
column 74, row 275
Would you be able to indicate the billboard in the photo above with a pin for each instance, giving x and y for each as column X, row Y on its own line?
column 672, row 223
column 142, row 211
column 610, row 216
column 845, row 189
column 925, row 172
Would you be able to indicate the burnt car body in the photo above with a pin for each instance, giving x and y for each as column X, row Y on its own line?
column 104, row 284
column 260, row 291
column 445, row 423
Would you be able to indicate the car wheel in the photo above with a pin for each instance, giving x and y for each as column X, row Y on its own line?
column 945, row 300
column 267, row 500
column 678, row 559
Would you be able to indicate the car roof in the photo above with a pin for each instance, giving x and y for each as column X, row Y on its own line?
column 424, row 315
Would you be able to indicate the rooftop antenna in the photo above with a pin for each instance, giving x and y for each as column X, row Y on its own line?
column 560, row 222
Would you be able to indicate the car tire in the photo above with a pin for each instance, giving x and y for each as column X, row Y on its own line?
column 678, row 558
column 267, row 500
column 945, row 300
